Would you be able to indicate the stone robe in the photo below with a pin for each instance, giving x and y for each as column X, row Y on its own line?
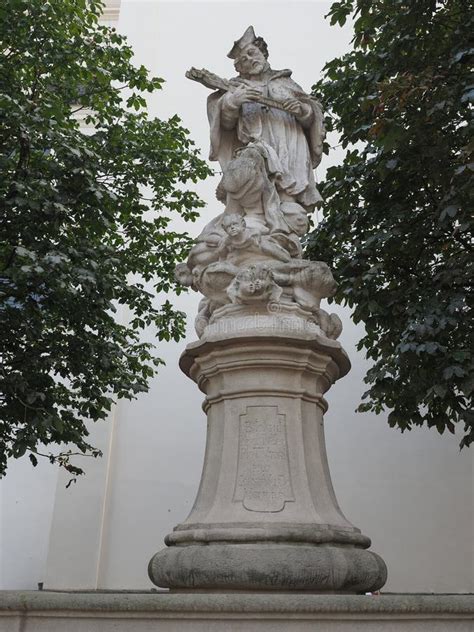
column 297, row 143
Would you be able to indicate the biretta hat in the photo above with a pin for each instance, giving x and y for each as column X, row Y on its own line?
column 247, row 38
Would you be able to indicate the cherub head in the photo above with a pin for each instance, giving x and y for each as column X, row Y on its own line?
column 317, row 278
column 183, row 274
column 254, row 285
column 233, row 224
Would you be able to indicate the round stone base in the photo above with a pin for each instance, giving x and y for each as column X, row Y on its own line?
column 268, row 567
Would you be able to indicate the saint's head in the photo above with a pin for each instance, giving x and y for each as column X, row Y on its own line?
column 250, row 54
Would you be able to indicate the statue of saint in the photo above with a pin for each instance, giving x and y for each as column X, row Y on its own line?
column 293, row 132
column 267, row 135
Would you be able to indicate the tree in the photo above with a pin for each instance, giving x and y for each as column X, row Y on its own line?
column 84, row 224
column 397, row 224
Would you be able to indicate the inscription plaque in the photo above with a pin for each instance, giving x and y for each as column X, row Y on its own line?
column 263, row 472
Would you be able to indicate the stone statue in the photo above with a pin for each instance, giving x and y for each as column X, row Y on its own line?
column 294, row 134
column 267, row 135
column 266, row 517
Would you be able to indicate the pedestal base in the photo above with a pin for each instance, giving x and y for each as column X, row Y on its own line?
column 266, row 517
column 269, row 567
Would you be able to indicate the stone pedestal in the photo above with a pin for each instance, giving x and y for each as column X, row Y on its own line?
column 266, row 517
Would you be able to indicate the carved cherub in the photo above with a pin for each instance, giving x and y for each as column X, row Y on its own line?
column 241, row 239
column 254, row 285
column 310, row 281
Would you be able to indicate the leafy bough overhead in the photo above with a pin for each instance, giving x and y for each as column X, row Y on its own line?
column 84, row 220
column 397, row 224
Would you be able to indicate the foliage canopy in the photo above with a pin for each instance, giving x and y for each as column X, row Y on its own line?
column 84, row 223
column 397, row 224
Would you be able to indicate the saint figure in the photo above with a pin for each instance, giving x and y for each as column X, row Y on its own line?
column 293, row 134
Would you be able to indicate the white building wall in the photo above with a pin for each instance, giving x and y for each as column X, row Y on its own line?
column 412, row 493
column 26, row 511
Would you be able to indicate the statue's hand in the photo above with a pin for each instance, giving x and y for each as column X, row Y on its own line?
column 253, row 94
column 293, row 106
column 243, row 94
